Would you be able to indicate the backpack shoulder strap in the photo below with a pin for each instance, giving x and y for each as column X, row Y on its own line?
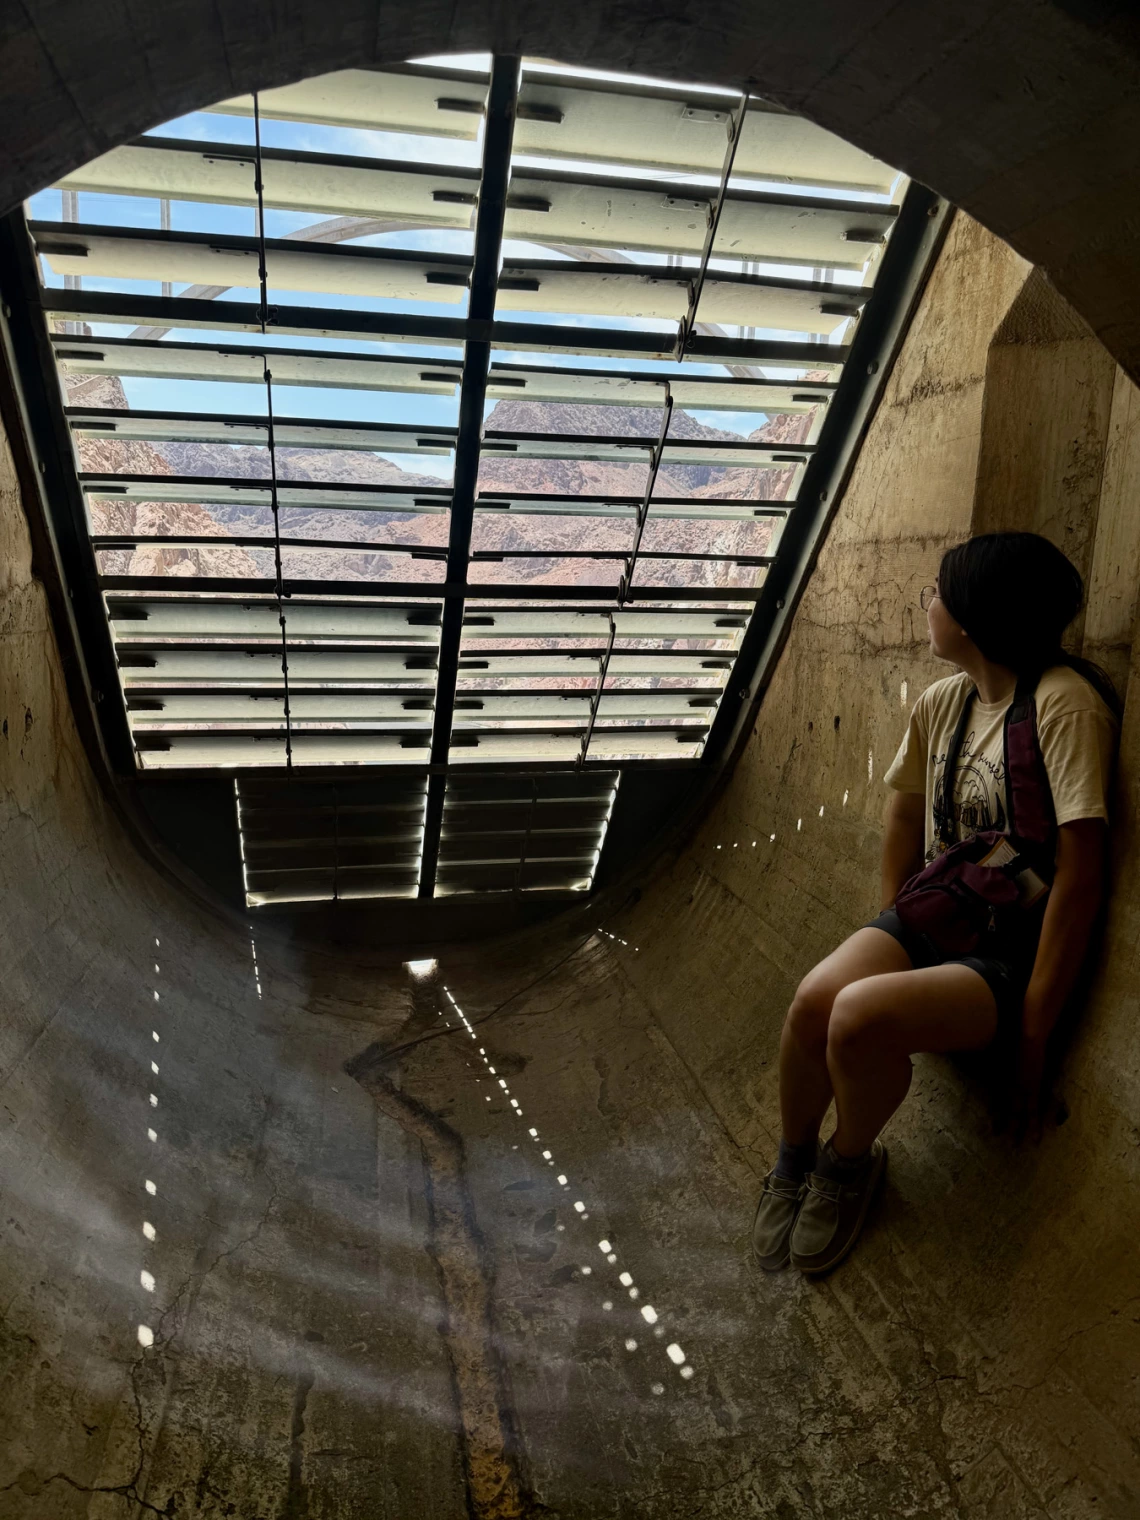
column 944, row 809
column 1029, row 798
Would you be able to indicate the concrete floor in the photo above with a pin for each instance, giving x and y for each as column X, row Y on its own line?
column 368, row 1294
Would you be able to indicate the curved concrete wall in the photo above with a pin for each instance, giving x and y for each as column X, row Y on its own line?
column 372, row 1293
column 1026, row 113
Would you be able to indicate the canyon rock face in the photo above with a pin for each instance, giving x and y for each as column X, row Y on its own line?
column 547, row 538
column 118, row 456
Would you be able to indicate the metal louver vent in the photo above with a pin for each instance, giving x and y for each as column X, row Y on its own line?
column 339, row 485
column 304, row 842
column 541, row 832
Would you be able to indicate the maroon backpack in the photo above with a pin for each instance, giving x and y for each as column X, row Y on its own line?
column 994, row 883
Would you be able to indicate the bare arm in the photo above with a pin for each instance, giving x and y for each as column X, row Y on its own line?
column 1078, row 887
column 903, row 840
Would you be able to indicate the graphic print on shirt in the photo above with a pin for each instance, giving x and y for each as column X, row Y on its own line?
column 979, row 794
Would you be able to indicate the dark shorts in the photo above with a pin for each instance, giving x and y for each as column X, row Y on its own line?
column 1005, row 970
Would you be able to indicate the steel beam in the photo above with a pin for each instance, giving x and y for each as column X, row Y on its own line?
column 922, row 225
column 204, row 541
column 177, row 313
column 502, row 102
column 38, row 393
column 431, row 591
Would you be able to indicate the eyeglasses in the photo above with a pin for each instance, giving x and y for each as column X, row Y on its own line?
column 926, row 596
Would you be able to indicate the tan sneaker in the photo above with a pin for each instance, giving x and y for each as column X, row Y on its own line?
column 775, row 1216
column 832, row 1214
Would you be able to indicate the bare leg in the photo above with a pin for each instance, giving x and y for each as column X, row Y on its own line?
column 879, row 1022
column 805, row 1081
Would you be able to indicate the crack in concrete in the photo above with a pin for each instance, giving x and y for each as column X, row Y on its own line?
column 31, row 1484
column 296, row 1505
column 162, row 1343
column 490, row 1442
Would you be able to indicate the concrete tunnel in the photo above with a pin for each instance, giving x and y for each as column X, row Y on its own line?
column 277, row 1241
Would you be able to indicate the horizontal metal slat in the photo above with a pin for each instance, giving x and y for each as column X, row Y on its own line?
column 163, row 427
column 225, row 753
column 147, row 619
column 440, row 104
column 159, row 360
column 665, row 128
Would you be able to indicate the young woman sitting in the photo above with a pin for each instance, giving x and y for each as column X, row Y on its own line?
column 985, row 943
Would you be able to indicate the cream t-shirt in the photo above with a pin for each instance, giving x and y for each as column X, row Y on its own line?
column 1077, row 733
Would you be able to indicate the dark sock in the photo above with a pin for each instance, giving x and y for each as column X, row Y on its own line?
column 795, row 1161
column 840, row 1168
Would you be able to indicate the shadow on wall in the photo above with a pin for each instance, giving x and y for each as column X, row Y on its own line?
column 1003, row 412
column 976, row 1356
column 1060, row 456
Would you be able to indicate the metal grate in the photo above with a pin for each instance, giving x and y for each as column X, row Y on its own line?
column 303, row 842
column 476, row 460
column 541, row 832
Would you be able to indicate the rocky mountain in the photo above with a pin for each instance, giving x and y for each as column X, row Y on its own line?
column 588, row 478
column 494, row 532
column 114, row 456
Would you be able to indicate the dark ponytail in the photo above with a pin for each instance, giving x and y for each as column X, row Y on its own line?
column 1015, row 594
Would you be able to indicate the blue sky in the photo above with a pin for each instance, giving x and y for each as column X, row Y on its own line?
column 142, row 212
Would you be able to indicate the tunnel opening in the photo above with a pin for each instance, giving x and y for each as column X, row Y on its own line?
column 419, row 591
column 329, row 1194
